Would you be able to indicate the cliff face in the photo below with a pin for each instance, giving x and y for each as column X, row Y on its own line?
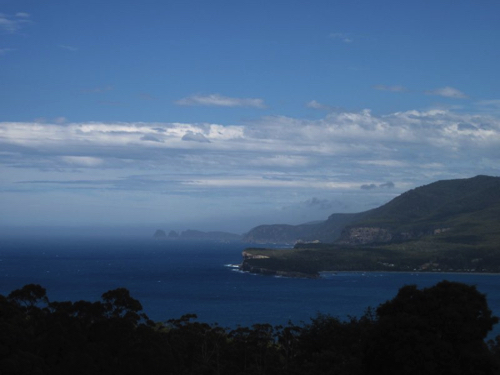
column 246, row 255
column 377, row 235
column 364, row 235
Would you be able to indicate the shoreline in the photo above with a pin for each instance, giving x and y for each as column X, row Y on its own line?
column 324, row 274
column 417, row 272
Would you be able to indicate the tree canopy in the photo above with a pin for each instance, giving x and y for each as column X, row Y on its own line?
column 436, row 330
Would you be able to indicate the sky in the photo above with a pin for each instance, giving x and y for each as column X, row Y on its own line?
column 223, row 115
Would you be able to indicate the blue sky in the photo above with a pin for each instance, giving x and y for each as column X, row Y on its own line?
column 228, row 114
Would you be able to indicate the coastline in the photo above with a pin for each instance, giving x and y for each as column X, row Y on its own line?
column 413, row 272
column 243, row 267
column 313, row 263
column 324, row 274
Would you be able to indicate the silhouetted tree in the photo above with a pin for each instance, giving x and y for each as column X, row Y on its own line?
column 437, row 330
column 119, row 304
column 331, row 346
column 30, row 296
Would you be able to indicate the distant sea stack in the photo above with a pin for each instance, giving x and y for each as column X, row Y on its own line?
column 173, row 235
column 160, row 234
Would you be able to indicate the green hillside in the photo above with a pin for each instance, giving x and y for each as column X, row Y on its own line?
column 437, row 202
column 449, row 225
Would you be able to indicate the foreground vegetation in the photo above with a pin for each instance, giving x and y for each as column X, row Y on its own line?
column 437, row 330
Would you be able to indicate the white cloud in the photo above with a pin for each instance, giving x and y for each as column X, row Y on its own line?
column 259, row 182
column 343, row 150
column 220, row 101
column 345, row 38
column 221, row 132
column 447, row 92
column 384, row 163
column 282, row 137
column 396, row 88
column 42, row 135
column 82, row 161
column 195, row 137
column 151, row 138
column 317, row 105
column 286, row 161
column 12, row 24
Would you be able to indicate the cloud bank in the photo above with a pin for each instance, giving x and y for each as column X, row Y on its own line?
column 347, row 161
column 357, row 147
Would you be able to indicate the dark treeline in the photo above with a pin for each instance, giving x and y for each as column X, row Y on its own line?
column 437, row 330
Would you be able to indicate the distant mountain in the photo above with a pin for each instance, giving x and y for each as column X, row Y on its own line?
column 453, row 206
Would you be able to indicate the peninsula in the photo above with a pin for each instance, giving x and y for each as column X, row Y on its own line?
column 446, row 226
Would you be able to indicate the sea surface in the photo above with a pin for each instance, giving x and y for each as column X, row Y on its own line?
column 172, row 278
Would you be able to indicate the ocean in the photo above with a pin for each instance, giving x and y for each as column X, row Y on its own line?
column 173, row 278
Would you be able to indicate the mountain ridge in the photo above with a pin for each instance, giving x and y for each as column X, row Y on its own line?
column 413, row 214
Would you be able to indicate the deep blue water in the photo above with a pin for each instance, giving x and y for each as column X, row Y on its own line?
column 174, row 278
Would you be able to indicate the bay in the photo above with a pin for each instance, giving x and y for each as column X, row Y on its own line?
column 172, row 278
